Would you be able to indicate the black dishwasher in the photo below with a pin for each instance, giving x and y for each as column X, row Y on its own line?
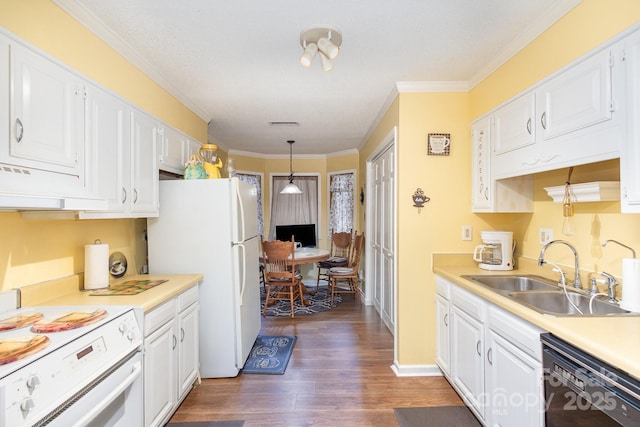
column 581, row 390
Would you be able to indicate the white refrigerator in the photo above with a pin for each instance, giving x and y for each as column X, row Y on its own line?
column 209, row 226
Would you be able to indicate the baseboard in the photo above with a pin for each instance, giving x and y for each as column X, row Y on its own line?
column 416, row 370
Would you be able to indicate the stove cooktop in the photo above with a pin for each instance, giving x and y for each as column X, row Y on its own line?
column 28, row 334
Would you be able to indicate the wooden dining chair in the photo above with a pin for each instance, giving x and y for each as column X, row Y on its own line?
column 338, row 255
column 282, row 281
column 347, row 279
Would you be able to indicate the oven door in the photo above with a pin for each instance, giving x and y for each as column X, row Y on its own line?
column 112, row 400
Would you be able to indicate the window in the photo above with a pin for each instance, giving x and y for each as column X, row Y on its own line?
column 341, row 194
column 289, row 209
column 256, row 180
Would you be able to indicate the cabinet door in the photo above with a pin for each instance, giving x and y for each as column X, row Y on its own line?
column 171, row 150
column 144, row 170
column 514, row 385
column 159, row 375
column 630, row 149
column 4, row 93
column 467, row 362
column 442, row 334
column 481, row 188
column 576, row 98
column 512, row 125
column 188, row 356
column 45, row 119
column 107, row 145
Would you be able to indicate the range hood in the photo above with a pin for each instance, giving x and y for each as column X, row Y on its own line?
column 25, row 189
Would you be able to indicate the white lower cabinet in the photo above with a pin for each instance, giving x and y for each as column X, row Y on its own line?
column 170, row 356
column 493, row 359
column 467, row 348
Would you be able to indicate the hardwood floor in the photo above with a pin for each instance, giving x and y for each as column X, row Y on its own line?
column 339, row 375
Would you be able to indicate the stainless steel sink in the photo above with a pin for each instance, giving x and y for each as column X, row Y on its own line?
column 557, row 303
column 545, row 296
column 512, row 283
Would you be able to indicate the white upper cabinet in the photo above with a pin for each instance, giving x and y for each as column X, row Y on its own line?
column 144, row 192
column 513, row 126
column 487, row 193
column 121, row 157
column 45, row 116
column 630, row 158
column 171, row 150
column 574, row 117
column 107, row 157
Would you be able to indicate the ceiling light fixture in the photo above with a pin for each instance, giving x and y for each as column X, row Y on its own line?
column 325, row 41
column 291, row 188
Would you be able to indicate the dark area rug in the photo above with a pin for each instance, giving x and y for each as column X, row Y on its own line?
column 439, row 416
column 269, row 355
column 208, row 424
column 319, row 303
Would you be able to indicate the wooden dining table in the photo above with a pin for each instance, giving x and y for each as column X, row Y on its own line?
column 310, row 256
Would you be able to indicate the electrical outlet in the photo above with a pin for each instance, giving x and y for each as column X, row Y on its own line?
column 545, row 236
column 467, row 232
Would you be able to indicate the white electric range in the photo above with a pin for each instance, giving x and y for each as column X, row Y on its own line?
column 68, row 366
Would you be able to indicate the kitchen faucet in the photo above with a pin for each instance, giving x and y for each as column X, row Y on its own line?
column 576, row 281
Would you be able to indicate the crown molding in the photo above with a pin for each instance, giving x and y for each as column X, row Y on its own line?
column 98, row 27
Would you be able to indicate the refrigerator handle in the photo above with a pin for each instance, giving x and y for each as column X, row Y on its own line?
column 243, row 236
column 243, row 282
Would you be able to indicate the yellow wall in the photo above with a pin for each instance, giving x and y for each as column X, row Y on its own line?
column 446, row 180
column 37, row 250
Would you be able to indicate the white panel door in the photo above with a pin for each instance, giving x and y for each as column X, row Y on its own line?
column 383, row 237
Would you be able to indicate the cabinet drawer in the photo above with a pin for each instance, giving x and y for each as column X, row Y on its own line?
column 187, row 298
column 159, row 316
column 472, row 305
column 518, row 332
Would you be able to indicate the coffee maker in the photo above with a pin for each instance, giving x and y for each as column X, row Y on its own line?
column 496, row 250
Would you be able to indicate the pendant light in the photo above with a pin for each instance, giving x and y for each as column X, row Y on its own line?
column 291, row 188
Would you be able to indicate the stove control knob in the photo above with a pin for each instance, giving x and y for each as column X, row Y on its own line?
column 130, row 336
column 27, row 405
column 33, row 382
column 122, row 328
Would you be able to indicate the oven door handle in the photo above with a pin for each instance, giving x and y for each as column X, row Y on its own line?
column 134, row 375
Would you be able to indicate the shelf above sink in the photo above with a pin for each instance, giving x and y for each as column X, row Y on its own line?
column 600, row 191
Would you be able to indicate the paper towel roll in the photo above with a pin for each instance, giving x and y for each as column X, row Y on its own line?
column 96, row 266
column 631, row 284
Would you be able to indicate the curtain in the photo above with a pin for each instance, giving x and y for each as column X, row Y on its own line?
column 294, row 208
column 341, row 203
column 256, row 182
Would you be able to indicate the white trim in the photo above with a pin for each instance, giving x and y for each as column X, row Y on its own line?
column 432, row 86
column 416, row 370
column 526, row 36
column 118, row 44
column 295, row 156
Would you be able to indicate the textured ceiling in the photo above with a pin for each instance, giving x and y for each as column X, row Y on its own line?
column 235, row 63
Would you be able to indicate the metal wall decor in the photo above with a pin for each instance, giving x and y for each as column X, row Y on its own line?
column 439, row 144
column 419, row 199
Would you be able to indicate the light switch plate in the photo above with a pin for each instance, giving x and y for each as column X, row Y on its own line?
column 467, row 232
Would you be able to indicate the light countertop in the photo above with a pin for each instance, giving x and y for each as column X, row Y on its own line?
column 67, row 292
column 614, row 339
